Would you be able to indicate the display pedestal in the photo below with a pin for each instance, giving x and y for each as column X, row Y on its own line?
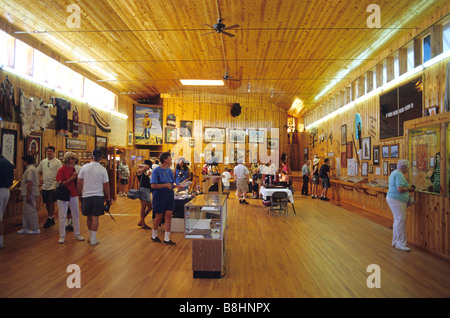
column 207, row 258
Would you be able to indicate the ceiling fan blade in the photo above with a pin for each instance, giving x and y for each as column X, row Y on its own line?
column 209, row 33
column 208, row 26
column 234, row 26
column 229, row 34
column 235, row 80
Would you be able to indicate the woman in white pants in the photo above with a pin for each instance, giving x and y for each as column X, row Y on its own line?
column 397, row 199
column 66, row 177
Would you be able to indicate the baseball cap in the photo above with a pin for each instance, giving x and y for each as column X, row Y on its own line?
column 97, row 153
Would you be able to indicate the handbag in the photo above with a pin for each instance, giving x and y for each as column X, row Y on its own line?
column 411, row 201
column 134, row 194
column 62, row 193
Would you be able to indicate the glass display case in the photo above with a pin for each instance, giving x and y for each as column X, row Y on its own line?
column 424, row 156
column 205, row 217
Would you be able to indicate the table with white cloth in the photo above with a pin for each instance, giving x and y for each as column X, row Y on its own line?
column 266, row 193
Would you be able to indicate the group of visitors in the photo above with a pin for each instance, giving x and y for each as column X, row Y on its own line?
column 322, row 173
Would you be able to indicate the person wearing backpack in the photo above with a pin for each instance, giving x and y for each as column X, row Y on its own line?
column 324, row 174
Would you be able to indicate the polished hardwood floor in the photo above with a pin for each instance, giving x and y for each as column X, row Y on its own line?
column 321, row 251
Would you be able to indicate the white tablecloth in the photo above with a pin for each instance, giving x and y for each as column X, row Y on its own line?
column 268, row 193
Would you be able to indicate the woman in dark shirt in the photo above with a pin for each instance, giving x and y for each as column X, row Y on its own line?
column 144, row 190
column 315, row 178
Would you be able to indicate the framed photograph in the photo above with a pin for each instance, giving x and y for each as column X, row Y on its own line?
column 148, row 125
column 33, row 146
column 349, row 149
column 9, row 145
column 192, row 142
column 392, row 167
column 101, row 143
column 60, row 154
column 430, row 111
column 343, row 134
column 76, row 144
column 394, row 151
column 130, row 138
column 186, row 128
column 236, row 135
column 213, row 156
column 170, row 135
column 344, row 159
column 384, row 151
column 370, row 169
column 214, row 135
column 366, row 150
column 364, row 168
column 385, row 168
column 272, row 143
column 256, row 136
column 236, row 154
column 376, row 155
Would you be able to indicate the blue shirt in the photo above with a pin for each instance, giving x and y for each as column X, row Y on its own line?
column 160, row 176
column 396, row 179
column 184, row 175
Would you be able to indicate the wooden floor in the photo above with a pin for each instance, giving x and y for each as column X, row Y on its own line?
column 322, row 251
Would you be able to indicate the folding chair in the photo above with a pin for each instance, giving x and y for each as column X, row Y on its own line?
column 278, row 202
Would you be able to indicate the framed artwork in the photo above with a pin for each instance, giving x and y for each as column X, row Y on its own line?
column 9, row 145
column 33, row 146
column 130, row 138
column 422, row 155
column 256, row 136
column 430, row 111
column 343, row 134
column 60, row 155
column 305, row 154
column 76, row 144
column 376, row 155
column 186, row 128
column 384, row 151
column 344, row 159
column 366, row 148
column 392, row 167
column 385, row 168
column 213, row 156
column 272, row 143
column 394, row 151
column 170, row 135
column 192, row 142
column 364, row 168
column 101, row 143
column 235, row 154
column 349, row 149
column 236, row 135
column 214, row 135
column 148, row 125
column 370, row 169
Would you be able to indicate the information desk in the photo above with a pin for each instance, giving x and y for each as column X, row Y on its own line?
column 205, row 223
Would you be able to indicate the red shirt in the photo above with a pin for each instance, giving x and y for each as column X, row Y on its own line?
column 65, row 173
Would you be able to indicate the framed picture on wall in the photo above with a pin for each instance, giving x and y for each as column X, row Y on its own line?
column 76, row 144
column 9, row 145
column 256, row 136
column 186, row 128
column 394, row 151
column 101, row 143
column 33, row 146
column 385, row 168
column 344, row 159
column 272, row 143
column 392, row 167
column 370, row 169
column 366, row 148
column 236, row 135
column 148, row 125
column 170, row 135
column 364, row 168
column 384, row 151
column 349, row 149
column 130, row 138
column 343, row 134
column 376, row 155
column 214, row 135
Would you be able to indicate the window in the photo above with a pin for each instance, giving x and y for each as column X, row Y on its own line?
column 23, row 62
column 410, row 51
column 446, row 37
column 98, row 96
column 7, row 43
column 427, row 48
column 40, row 69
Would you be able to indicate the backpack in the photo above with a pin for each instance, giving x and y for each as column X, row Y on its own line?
column 322, row 173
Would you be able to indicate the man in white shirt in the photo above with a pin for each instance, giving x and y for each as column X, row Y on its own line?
column 49, row 168
column 226, row 176
column 241, row 176
column 93, row 185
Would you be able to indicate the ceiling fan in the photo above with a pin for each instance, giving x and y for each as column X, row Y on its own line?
column 219, row 27
column 227, row 77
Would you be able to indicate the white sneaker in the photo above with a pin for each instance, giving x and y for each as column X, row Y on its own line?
column 403, row 248
column 24, row 231
column 94, row 242
column 35, row 232
column 61, row 240
column 79, row 237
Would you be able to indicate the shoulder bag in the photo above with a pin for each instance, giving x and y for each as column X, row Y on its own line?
column 134, row 194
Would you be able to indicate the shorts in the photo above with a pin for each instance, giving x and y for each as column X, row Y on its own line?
column 144, row 194
column 123, row 181
column 92, row 206
column 315, row 179
column 242, row 185
column 163, row 200
column 326, row 183
column 48, row 196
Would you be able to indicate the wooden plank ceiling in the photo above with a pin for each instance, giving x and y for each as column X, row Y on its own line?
column 282, row 49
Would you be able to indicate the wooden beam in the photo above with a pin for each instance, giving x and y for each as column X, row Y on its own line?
column 437, row 46
column 403, row 60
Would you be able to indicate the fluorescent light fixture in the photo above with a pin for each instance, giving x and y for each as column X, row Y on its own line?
column 202, row 82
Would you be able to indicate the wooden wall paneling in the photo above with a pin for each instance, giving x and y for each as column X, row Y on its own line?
column 390, row 73
column 437, row 45
column 403, row 60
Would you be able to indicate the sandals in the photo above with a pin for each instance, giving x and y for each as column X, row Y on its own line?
column 146, row 227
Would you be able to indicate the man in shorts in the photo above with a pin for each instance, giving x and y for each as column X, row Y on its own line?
column 124, row 173
column 324, row 174
column 93, row 185
column 49, row 168
column 162, row 183
column 241, row 175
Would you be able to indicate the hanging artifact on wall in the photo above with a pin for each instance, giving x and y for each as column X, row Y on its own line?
column 100, row 121
column 34, row 114
column 75, row 130
column 62, row 109
column 171, row 120
column 358, row 129
column 7, row 102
